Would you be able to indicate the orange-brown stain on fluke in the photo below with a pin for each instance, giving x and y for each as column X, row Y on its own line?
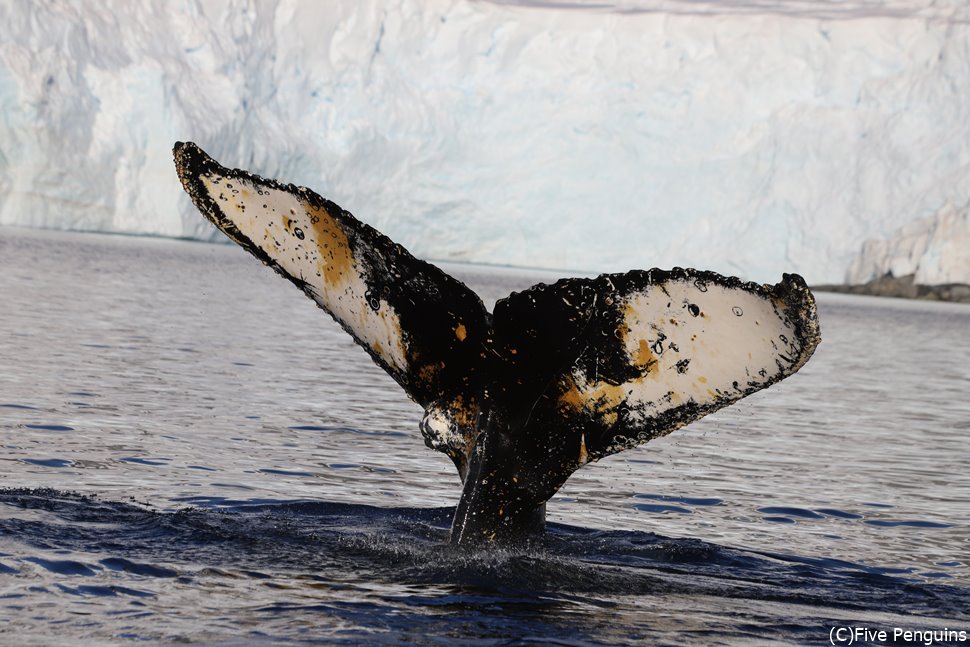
column 606, row 396
column 428, row 374
column 629, row 315
column 644, row 355
column 399, row 336
column 571, row 398
column 602, row 399
column 460, row 332
column 335, row 254
column 645, row 358
column 464, row 413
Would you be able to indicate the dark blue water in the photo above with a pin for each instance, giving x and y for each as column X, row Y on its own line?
column 191, row 452
column 308, row 570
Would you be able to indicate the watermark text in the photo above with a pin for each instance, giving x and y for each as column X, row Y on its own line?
column 861, row 635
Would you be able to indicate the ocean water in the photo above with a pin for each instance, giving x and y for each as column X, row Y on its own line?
column 193, row 452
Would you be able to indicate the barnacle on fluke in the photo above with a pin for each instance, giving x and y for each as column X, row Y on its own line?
column 557, row 376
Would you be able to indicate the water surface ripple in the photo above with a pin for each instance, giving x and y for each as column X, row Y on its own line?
column 193, row 452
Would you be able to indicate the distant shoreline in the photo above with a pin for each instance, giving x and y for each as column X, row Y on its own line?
column 904, row 287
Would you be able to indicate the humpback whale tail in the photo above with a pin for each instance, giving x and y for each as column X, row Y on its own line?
column 555, row 377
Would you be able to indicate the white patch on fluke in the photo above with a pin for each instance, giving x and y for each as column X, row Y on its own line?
column 310, row 245
column 693, row 342
column 442, row 428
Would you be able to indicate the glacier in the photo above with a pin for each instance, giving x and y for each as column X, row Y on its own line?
column 750, row 138
column 934, row 250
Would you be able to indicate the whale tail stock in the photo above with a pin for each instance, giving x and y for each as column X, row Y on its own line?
column 557, row 376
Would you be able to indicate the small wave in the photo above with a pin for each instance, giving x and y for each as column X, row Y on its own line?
column 702, row 501
column 145, row 461
column 103, row 591
column 50, row 427
column 128, row 566
column 64, row 566
column 912, row 523
column 832, row 512
column 791, row 512
column 269, row 470
column 347, row 430
column 660, row 508
column 47, row 462
column 367, row 564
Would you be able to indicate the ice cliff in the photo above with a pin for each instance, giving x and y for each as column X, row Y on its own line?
column 752, row 138
column 934, row 250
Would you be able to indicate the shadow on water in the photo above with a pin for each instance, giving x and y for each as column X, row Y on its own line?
column 389, row 572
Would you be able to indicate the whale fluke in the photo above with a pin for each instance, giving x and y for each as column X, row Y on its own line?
column 422, row 326
column 557, row 376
